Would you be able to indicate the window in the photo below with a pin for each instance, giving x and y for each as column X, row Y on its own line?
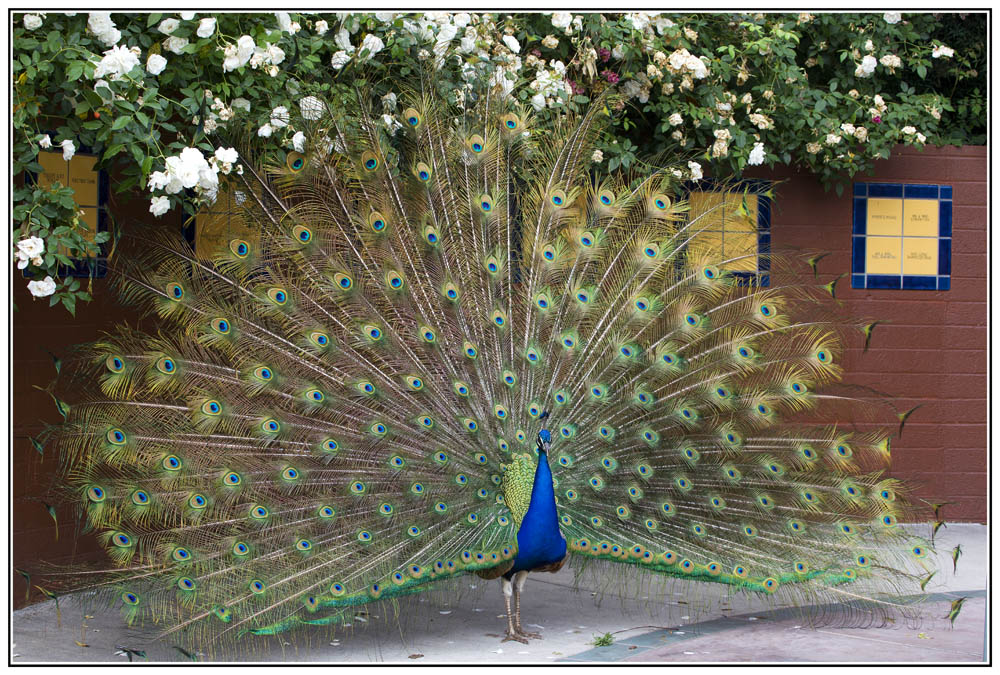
column 732, row 223
column 218, row 224
column 901, row 236
column 90, row 188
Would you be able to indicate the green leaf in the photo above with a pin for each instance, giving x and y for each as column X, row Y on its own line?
column 74, row 70
column 120, row 122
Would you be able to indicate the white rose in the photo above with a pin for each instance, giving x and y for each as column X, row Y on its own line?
column 284, row 21
column 321, row 27
column 695, row 168
column 159, row 205
column 373, row 44
column 461, row 19
column 117, row 62
column 101, row 25
column 205, row 28
column 187, row 16
column 279, row 117
column 909, row 130
column 343, row 40
column 339, row 60
column 597, row 157
column 562, row 19
column 299, row 141
column 68, row 150
column 275, row 54
column 158, row 180
column 832, row 139
column 756, row 155
column 869, row 46
column 389, row 101
column 448, row 33
column 675, row 119
column 921, row 138
column 45, row 141
column 467, row 45
column 155, row 64
column 32, row 21
column 264, row 131
column 175, row 44
column 538, row 101
column 43, row 288
column 892, row 17
column 312, row 108
column 385, row 17
column 168, row 26
column 32, row 247
column 512, row 43
column 847, row 128
column 241, row 104
column 227, row 155
column 941, row 50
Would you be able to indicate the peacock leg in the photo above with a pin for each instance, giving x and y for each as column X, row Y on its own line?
column 508, row 589
column 519, row 580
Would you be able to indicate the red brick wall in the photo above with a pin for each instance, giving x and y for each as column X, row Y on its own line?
column 933, row 353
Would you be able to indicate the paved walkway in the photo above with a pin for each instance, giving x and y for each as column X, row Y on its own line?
column 685, row 622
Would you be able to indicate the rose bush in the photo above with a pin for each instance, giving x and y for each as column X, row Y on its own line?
column 154, row 95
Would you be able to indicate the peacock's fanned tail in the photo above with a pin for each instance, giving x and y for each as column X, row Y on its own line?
column 328, row 410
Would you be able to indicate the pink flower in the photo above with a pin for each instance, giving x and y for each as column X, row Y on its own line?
column 876, row 119
column 610, row 76
column 605, row 54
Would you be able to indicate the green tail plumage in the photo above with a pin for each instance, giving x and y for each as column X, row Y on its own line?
column 344, row 409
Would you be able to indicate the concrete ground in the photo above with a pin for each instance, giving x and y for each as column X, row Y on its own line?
column 702, row 626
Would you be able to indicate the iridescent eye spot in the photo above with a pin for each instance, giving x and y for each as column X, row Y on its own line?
column 477, row 147
column 185, row 583
column 116, row 436
column 586, row 241
column 140, row 498
column 511, row 124
column 413, row 120
column 95, row 494
column 121, row 540
column 257, row 586
column 371, row 163
column 605, row 200
column 240, row 548
column 766, row 310
column 171, row 463
column 259, row 512
column 549, row 255
column 364, row 535
column 197, row 502
column 641, row 305
column 130, row 598
column 626, row 352
column 327, row 512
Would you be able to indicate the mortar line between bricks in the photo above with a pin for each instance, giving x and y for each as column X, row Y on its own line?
column 693, row 631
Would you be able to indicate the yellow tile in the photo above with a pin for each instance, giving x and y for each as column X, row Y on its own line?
column 706, row 244
column 741, row 250
column 706, row 209
column 741, row 213
column 53, row 168
column 883, row 255
column 885, row 217
column 920, row 218
column 83, row 180
column 920, row 256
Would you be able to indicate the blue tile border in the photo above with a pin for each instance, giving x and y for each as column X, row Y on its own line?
column 862, row 192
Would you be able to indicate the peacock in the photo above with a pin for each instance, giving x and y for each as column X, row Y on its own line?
column 455, row 349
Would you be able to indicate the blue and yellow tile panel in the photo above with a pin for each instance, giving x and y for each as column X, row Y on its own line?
column 901, row 236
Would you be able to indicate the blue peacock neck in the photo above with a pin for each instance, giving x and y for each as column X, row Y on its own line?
column 539, row 540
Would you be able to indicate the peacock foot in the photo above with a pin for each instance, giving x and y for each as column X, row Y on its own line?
column 530, row 636
column 517, row 637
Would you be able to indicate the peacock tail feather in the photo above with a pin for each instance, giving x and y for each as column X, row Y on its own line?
column 343, row 410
